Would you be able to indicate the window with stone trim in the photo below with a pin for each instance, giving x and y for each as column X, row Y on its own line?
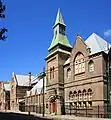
column 75, row 96
column 91, row 66
column 79, row 63
column 80, row 95
column 84, row 95
column 53, row 72
column 68, row 73
column 89, row 94
column 70, row 94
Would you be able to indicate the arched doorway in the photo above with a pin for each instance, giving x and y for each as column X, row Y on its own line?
column 53, row 105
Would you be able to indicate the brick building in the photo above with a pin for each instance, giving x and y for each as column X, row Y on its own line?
column 5, row 88
column 19, row 85
column 77, row 74
column 34, row 97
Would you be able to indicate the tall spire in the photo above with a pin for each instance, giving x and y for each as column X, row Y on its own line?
column 59, row 18
column 59, row 38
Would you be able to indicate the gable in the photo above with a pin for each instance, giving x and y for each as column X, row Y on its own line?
column 79, row 46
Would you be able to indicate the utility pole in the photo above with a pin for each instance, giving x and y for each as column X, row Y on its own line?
column 29, row 74
column 43, row 91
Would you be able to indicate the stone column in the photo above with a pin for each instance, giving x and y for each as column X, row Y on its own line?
column 58, row 102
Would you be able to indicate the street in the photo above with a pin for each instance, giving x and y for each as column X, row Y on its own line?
column 17, row 116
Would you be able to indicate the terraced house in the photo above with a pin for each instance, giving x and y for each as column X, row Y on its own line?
column 76, row 75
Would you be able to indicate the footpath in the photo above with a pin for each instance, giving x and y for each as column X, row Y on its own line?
column 60, row 117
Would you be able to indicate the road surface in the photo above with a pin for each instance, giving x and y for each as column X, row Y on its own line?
column 17, row 116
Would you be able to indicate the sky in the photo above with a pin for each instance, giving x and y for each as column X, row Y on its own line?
column 30, row 31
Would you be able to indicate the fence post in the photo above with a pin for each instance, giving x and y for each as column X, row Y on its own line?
column 98, row 111
column 29, row 110
column 70, row 108
column 86, row 111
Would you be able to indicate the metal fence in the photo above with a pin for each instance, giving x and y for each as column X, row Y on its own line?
column 94, row 111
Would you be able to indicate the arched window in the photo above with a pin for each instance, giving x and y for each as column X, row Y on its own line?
column 89, row 94
column 70, row 94
column 79, row 63
column 91, row 66
column 50, row 73
column 84, row 95
column 75, row 96
column 80, row 95
column 68, row 73
column 53, row 71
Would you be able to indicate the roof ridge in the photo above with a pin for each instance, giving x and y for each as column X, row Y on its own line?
column 97, row 40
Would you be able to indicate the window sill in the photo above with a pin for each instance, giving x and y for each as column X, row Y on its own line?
column 79, row 73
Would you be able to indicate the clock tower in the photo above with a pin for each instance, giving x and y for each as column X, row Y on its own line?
column 58, row 53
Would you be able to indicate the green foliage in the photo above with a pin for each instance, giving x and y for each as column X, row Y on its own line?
column 2, row 15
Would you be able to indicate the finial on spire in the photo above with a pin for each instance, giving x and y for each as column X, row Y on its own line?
column 78, row 36
column 59, row 18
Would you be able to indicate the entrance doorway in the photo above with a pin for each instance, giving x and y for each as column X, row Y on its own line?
column 53, row 106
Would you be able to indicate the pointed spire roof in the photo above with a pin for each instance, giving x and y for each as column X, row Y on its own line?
column 59, row 38
column 59, row 18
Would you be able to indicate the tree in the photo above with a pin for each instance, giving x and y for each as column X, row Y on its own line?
column 2, row 15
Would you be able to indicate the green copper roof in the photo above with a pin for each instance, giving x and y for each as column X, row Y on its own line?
column 59, row 18
column 62, row 39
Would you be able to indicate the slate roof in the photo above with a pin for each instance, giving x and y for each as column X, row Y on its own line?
column 97, row 44
column 38, row 87
column 7, row 86
column 23, row 80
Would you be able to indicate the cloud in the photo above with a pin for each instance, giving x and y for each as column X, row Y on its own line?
column 107, row 33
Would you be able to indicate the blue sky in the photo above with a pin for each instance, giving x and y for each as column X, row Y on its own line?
column 30, row 30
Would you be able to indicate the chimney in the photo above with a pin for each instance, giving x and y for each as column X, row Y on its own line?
column 29, row 74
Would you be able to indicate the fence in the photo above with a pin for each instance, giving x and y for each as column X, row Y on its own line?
column 31, row 108
column 94, row 111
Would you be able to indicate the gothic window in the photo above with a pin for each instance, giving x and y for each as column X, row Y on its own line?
column 75, row 95
column 91, row 66
column 84, row 95
column 79, row 95
column 50, row 73
column 68, row 73
column 53, row 71
column 70, row 93
column 89, row 94
column 79, row 63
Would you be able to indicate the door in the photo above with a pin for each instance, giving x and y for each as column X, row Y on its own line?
column 53, row 107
